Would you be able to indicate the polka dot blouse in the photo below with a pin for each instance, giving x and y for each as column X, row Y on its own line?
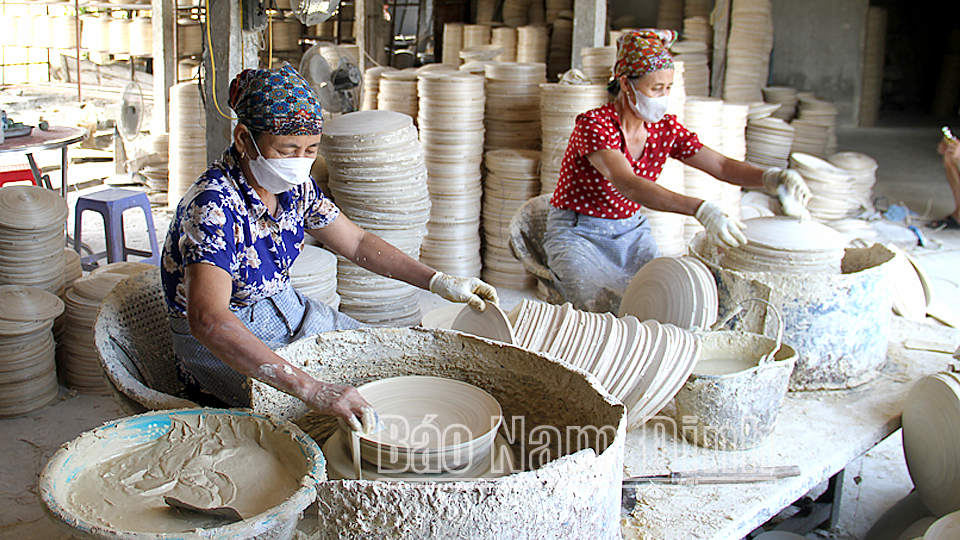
column 583, row 189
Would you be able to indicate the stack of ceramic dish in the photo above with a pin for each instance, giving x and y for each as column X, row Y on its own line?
column 761, row 109
column 786, row 97
column 833, row 197
column 559, row 106
column 677, row 103
column 314, row 274
column 505, row 38
column 874, row 50
column 451, row 130
column 141, row 36
column 512, row 178
column 32, row 221
column 480, row 53
column 931, row 445
column 452, row 43
column 555, row 7
column 679, row 291
column 284, row 33
column 514, row 12
column 769, row 141
column 598, row 63
column 370, row 89
column 379, row 180
column 188, row 140
column 156, row 167
column 120, row 36
column 95, row 33
column 734, row 146
column 697, row 28
column 64, row 30
column 28, row 374
column 668, row 228
column 42, row 31
column 863, row 175
column 703, row 116
column 475, row 35
column 189, row 37
column 748, row 47
column 696, row 69
column 561, row 44
column 815, row 127
column 643, row 364
column 787, row 245
column 513, row 104
column 670, row 14
column 398, row 92
column 533, row 41
column 456, row 437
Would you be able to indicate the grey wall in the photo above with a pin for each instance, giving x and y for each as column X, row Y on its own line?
column 644, row 12
column 818, row 47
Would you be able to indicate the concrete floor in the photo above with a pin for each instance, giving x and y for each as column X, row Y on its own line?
column 910, row 173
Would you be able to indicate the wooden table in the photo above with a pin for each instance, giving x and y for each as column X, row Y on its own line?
column 50, row 139
column 821, row 432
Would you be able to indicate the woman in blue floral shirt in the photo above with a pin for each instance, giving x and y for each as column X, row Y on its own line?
column 237, row 232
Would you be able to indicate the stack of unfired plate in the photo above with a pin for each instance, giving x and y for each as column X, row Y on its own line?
column 513, row 104
column 379, row 180
column 120, row 36
column 32, row 223
column 452, row 43
column 188, row 140
column 141, row 36
column 697, row 28
column 815, row 127
column 749, row 44
column 505, row 38
column 451, row 130
column 513, row 178
column 398, row 92
column 533, row 42
column 703, row 116
column 598, row 63
column 314, row 274
column 667, row 227
column 559, row 106
column 643, row 364
column 675, row 290
column 769, row 141
column 787, row 245
column 696, row 68
column 786, row 96
column 28, row 375
column 863, row 175
column 156, row 167
column 370, row 89
column 189, row 37
column 831, row 187
column 734, row 147
column 475, row 35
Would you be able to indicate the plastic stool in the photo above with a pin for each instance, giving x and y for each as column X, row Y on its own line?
column 111, row 203
column 16, row 173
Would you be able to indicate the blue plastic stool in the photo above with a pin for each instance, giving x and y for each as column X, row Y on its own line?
column 111, row 203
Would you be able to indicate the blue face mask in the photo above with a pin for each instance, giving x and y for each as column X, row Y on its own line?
column 649, row 109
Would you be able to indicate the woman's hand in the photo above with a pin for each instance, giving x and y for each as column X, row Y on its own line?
column 723, row 230
column 344, row 401
column 460, row 289
column 949, row 148
column 788, row 185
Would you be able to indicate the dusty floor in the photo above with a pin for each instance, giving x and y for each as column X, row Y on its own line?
column 910, row 173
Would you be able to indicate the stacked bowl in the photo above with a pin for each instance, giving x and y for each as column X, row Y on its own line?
column 505, row 38
column 32, row 221
column 598, row 63
column 668, row 228
column 815, row 127
column 786, row 96
column 513, row 178
column 533, row 43
column 28, row 376
column 452, row 43
column 769, row 141
column 452, row 133
column 748, row 48
column 863, row 175
column 703, row 116
column 398, row 92
column 512, row 112
column 696, row 68
column 832, row 189
column 559, row 106
column 370, row 89
column 379, row 180
column 734, row 146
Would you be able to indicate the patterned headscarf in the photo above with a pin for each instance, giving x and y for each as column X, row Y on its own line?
column 276, row 101
column 644, row 51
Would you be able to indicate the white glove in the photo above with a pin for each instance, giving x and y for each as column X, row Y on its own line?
column 722, row 229
column 460, row 289
column 789, row 187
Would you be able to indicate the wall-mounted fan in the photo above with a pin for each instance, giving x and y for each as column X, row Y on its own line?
column 334, row 76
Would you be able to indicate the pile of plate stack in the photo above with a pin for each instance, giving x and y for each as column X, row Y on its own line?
column 370, row 89
column 816, row 127
column 734, row 147
column 512, row 178
column 786, row 96
column 95, row 33
column 513, row 104
column 42, row 31
column 28, row 369
column 769, row 140
column 598, row 63
column 561, row 42
column 554, row 8
column 670, row 15
column 398, row 92
column 451, row 130
column 748, row 50
column 863, row 175
column 668, row 229
column 32, row 223
column 120, row 36
column 696, row 69
column 515, row 12
column 832, row 188
column 485, row 11
column 379, row 180
column 475, row 35
column 64, row 32
column 703, row 116
column 643, row 364
column 533, row 42
column 141, row 36
column 698, row 29
column 559, row 106
column 188, row 140
column 781, row 244
column 505, row 38
column 284, row 33
column 452, row 43
column 314, row 274
column 189, row 37
column 874, row 49
column 156, row 167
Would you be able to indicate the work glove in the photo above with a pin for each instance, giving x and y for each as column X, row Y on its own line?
column 460, row 289
column 788, row 186
column 722, row 229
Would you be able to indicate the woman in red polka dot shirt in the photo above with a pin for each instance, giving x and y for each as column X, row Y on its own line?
column 596, row 239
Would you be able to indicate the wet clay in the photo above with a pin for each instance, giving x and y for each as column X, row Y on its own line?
column 205, row 462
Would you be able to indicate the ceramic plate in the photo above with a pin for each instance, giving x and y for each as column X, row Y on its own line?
column 490, row 323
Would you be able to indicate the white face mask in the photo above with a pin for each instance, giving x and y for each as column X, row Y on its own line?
column 280, row 174
column 648, row 108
